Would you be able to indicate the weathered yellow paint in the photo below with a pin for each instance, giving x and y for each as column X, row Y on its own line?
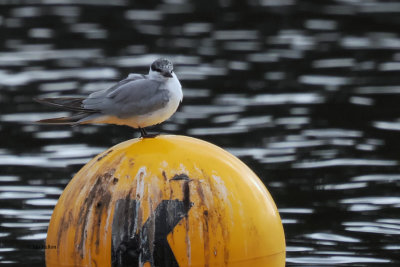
column 232, row 220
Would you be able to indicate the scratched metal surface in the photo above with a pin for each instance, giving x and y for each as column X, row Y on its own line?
column 306, row 93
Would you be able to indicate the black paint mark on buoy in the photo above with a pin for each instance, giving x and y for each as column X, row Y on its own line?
column 105, row 155
column 179, row 177
column 149, row 243
column 186, row 195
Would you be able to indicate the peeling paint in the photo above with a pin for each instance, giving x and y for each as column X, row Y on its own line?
column 183, row 169
column 139, row 195
column 164, row 164
column 221, row 186
column 98, row 194
column 219, row 211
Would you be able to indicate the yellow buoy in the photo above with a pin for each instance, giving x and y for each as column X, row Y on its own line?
column 165, row 201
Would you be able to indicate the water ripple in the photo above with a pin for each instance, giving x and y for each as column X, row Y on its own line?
column 387, row 125
column 137, row 14
column 46, row 54
column 345, row 186
column 29, row 76
column 270, row 99
column 373, row 227
column 387, row 178
column 330, row 260
column 372, row 200
column 54, row 156
column 332, row 237
column 38, row 236
column 345, row 162
column 31, row 116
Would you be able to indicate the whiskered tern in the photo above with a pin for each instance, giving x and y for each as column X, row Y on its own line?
column 138, row 101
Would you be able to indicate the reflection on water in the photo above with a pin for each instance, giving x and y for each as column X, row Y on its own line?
column 305, row 93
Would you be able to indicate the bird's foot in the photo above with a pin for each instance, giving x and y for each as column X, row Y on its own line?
column 144, row 134
column 151, row 135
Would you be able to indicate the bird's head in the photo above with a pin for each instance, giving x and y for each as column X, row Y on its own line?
column 162, row 68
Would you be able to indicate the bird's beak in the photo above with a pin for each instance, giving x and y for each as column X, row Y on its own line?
column 167, row 74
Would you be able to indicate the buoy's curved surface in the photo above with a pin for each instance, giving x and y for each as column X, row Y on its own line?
column 165, row 201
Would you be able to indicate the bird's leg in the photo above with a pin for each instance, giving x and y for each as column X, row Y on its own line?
column 144, row 134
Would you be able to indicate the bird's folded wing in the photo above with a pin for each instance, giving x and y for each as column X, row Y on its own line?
column 99, row 95
column 127, row 99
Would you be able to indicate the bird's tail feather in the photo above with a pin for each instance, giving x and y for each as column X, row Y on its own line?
column 72, row 120
column 69, row 103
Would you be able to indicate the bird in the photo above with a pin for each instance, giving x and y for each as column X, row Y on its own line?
column 138, row 101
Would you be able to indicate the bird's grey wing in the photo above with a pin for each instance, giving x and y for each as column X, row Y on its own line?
column 132, row 98
column 98, row 96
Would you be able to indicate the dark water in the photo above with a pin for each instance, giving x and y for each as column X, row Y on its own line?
column 306, row 93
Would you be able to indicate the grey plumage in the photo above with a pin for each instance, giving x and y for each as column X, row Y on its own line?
column 138, row 101
column 135, row 97
column 132, row 96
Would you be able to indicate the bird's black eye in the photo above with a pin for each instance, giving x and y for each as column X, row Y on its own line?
column 155, row 68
